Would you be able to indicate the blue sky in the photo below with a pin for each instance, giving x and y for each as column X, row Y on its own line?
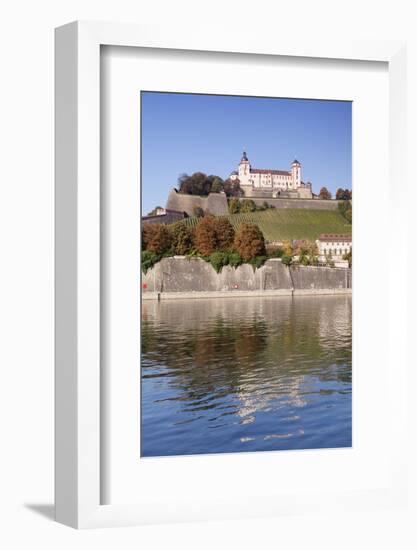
column 190, row 133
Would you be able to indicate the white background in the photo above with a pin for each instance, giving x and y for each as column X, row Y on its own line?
column 26, row 302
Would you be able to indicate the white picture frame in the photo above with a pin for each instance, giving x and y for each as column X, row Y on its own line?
column 78, row 265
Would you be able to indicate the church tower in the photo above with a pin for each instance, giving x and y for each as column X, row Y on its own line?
column 296, row 174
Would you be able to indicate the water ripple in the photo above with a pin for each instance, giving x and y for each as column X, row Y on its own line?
column 245, row 374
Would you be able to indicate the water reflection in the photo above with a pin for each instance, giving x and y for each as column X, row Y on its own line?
column 245, row 374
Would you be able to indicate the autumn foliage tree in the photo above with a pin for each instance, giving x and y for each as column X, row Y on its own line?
column 249, row 241
column 325, row 194
column 225, row 234
column 205, row 236
column 213, row 234
column 156, row 237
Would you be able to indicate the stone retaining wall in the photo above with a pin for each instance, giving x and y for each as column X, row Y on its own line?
column 180, row 274
column 214, row 203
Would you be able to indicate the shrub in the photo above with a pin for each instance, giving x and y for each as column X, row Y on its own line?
column 247, row 205
column 218, row 260
column 286, row 259
column 276, row 252
column 307, row 253
column 156, row 238
column 287, row 248
column 225, row 233
column 182, row 238
column 149, row 259
column 249, row 241
column 234, row 206
column 206, row 236
column 235, row 259
column 258, row 261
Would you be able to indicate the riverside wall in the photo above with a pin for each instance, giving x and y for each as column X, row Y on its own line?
column 193, row 277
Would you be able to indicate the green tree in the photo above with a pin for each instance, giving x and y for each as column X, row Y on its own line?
column 182, row 238
column 218, row 260
column 286, row 259
column 343, row 194
column 216, row 184
column 149, row 259
column 249, row 241
column 196, row 184
column 235, row 259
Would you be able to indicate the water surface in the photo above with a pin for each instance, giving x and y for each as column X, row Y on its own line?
column 246, row 374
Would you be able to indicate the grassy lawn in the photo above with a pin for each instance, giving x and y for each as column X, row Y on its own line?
column 282, row 224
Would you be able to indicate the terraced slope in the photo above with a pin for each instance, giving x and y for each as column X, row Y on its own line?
column 282, row 224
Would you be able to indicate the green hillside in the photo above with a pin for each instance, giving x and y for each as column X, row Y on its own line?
column 281, row 224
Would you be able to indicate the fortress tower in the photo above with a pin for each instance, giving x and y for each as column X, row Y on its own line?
column 244, row 168
column 296, row 173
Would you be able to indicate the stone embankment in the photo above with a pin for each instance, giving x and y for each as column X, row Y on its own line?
column 181, row 277
column 216, row 203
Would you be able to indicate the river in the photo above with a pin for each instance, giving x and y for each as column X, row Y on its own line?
column 246, row 374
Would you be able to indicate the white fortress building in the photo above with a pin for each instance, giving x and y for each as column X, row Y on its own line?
column 263, row 182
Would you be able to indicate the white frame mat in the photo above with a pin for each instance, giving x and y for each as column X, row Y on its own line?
column 78, row 264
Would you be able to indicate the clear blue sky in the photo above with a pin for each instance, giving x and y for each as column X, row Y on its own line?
column 186, row 133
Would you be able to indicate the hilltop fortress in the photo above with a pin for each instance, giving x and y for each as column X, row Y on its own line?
column 264, row 182
column 279, row 188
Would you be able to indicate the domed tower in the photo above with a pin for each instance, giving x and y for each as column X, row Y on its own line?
column 296, row 174
column 244, row 169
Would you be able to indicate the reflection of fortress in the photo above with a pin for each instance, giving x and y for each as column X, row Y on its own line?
column 261, row 182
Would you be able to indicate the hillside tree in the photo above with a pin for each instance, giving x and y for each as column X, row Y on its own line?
column 249, row 241
column 156, row 237
column 182, row 238
column 325, row 194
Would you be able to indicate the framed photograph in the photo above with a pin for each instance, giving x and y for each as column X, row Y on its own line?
column 227, row 344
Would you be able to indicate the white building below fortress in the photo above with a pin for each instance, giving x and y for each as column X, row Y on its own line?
column 263, row 182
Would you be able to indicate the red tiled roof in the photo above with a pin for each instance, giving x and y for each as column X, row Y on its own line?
column 266, row 171
column 332, row 237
